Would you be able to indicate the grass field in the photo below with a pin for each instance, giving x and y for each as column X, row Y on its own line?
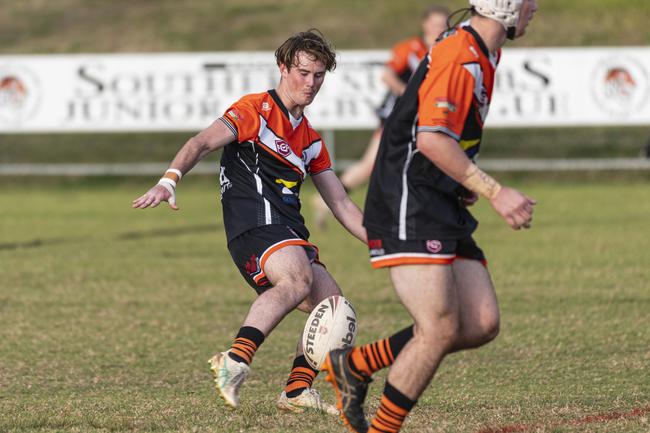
column 108, row 315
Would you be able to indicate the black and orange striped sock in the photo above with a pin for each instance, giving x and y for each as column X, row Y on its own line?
column 248, row 340
column 302, row 376
column 393, row 409
column 380, row 354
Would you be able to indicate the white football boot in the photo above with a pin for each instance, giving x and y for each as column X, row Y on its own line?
column 309, row 398
column 228, row 376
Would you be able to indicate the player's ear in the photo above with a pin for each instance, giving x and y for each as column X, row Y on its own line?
column 284, row 71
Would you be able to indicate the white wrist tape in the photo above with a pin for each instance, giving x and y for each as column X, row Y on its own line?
column 168, row 184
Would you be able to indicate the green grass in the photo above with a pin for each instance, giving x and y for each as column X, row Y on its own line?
column 72, row 26
column 107, row 315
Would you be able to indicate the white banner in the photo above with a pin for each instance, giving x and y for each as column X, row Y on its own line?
column 186, row 92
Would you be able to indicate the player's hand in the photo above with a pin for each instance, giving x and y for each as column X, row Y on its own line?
column 514, row 207
column 154, row 196
column 469, row 199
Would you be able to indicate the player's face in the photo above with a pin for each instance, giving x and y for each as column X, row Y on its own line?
column 303, row 80
column 432, row 26
column 528, row 9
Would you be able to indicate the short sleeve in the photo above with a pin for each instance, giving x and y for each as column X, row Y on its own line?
column 243, row 120
column 399, row 59
column 320, row 157
column 445, row 99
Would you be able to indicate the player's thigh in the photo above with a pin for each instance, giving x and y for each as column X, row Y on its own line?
column 428, row 294
column 477, row 299
column 290, row 267
column 322, row 287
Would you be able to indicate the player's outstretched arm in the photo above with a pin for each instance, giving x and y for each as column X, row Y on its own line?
column 196, row 148
column 513, row 206
column 346, row 212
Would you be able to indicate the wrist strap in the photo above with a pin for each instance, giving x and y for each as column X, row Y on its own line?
column 481, row 183
column 173, row 174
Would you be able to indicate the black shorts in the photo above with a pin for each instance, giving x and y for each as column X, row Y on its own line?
column 251, row 249
column 387, row 252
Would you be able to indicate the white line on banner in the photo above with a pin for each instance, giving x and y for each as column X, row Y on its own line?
column 155, row 168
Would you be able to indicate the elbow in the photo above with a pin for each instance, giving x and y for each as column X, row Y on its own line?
column 199, row 144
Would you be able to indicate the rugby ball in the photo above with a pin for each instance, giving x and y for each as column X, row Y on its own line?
column 331, row 325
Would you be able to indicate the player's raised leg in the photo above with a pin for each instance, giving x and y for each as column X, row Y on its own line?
column 298, row 393
column 290, row 274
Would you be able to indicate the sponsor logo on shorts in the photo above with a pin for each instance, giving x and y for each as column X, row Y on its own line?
column 376, row 247
column 282, row 147
column 434, row 246
column 252, row 265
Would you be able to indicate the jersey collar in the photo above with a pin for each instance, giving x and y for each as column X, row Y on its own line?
column 479, row 40
column 276, row 98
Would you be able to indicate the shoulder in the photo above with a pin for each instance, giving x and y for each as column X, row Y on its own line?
column 311, row 132
column 456, row 48
column 255, row 101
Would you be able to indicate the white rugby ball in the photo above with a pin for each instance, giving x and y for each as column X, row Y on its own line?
column 331, row 325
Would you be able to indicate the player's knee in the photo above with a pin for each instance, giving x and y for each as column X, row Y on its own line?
column 440, row 331
column 490, row 327
column 298, row 285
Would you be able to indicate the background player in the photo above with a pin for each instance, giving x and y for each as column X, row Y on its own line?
column 268, row 149
column 418, row 224
column 405, row 58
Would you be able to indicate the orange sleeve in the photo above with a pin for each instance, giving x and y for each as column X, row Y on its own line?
column 243, row 119
column 399, row 59
column 321, row 161
column 445, row 99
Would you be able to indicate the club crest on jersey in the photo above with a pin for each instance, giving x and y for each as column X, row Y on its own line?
column 434, row 246
column 282, row 147
column 266, row 106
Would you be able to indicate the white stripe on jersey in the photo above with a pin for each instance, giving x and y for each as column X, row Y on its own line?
column 312, row 152
column 272, row 141
column 403, row 205
column 479, row 90
column 268, row 218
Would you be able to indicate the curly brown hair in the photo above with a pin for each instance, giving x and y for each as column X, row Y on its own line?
column 313, row 43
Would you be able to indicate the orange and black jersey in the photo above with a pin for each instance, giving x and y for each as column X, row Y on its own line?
column 450, row 93
column 263, row 169
column 405, row 57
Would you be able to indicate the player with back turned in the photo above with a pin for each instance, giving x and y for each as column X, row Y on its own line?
column 418, row 223
column 269, row 148
column 405, row 57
